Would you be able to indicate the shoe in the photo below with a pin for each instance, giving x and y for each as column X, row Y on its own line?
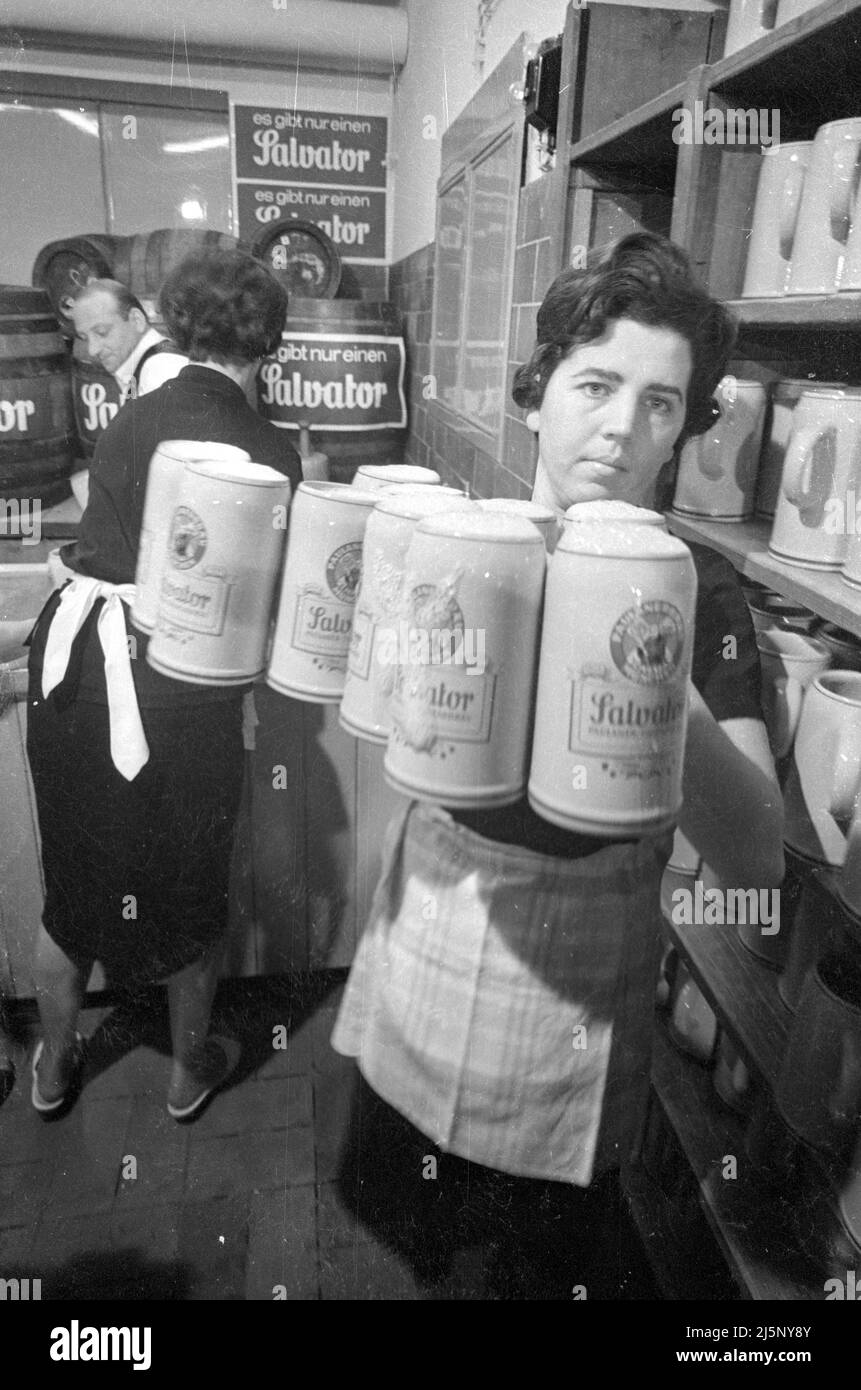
column 230, row 1052
column 52, row 1107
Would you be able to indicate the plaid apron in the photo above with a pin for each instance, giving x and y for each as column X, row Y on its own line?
column 502, row 1000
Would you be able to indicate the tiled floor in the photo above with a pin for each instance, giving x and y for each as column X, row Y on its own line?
column 118, row 1201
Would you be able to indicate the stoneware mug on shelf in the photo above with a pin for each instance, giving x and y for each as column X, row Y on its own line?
column 789, row 661
column 820, row 245
column 785, row 396
column 823, row 777
column 717, row 471
column 775, row 216
column 820, row 476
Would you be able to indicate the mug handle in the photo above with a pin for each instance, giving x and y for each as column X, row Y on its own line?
column 788, row 697
column 843, row 186
column 798, row 468
column 790, row 203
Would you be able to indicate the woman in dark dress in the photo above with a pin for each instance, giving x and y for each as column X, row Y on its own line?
column 138, row 786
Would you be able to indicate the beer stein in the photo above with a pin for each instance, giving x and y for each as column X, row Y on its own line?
column 693, row 1026
column 717, row 470
column 731, row 1078
column 775, row 215
column 789, row 661
column 819, row 248
column 543, row 517
column 373, row 655
column 843, row 647
column 824, row 772
column 373, row 477
column 218, row 582
column 818, row 1089
column 815, row 917
column 318, row 591
column 776, row 611
column 818, row 484
column 461, row 708
column 164, row 479
column 611, row 709
column 785, row 396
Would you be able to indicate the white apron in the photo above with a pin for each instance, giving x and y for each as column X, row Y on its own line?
column 502, row 1000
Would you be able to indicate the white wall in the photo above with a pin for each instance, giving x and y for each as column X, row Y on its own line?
column 440, row 77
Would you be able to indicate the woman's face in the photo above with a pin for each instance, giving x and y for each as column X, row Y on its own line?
column 611, row 414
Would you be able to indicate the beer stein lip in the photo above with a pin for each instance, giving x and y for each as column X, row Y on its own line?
column 246, row 473
column 416, row 508
column 831, row 393
column 613, row 511
column 789, row 145
column 809, row 648
column 611, row 539
column 190, row 451
column 338, row 492
column 514, row 506
column 828, row 683
column 843, row 121
column 797, row 385
column 474, row 524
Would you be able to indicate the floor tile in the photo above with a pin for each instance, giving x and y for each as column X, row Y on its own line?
column 212, row 1248
column 282, row 1251
column 336, row 1224
column 16, row 1243
column 159, row 1147
column 229, row 1163
column 277, row 1103
column 24, row 1191
column 293, row 1060
column 366, row 1272
column 333, row 1105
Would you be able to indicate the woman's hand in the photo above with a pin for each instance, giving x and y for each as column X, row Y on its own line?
column 733, row 809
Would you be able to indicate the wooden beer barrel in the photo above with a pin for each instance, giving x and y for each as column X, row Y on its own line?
column 96, row 399
column 145, row 259
column 64, row 267
column 339, row 370
column 36, row 420
column 301, row 256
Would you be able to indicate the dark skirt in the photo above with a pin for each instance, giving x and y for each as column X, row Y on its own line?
column 136, row 873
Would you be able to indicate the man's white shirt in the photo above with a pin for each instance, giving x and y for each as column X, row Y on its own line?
column 158, row 369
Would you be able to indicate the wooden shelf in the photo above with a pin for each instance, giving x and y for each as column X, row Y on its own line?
column 838, row 311
column 782, row 66
column 643, row 136
column 742, row 990
column 745, row 545
column 740, row 1212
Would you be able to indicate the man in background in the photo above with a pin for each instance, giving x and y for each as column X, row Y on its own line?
column 113, row 326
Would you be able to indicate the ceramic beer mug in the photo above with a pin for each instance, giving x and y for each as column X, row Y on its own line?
column 462, row 703
column 819, row 248
column 849, row 887
column 816, row 916
column 775, row 610
column 542, row 517
column 785, row 396
column 823, row 776
column 611, row 709
column 852, row 561
column 372, row 477
column 819, row 480
column 165, row 476
column 717, row 470
column 843, row 647
column 377, row 631
column 218, row 583
column 318, row 591
column 775, row 216
column 789, row 662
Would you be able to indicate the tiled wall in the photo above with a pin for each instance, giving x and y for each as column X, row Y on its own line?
column 436, row 439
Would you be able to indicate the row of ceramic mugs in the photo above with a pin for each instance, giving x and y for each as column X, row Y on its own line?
column 806, row 231
column 792, row 454
column 485, row 670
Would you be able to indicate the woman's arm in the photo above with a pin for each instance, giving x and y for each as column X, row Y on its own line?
column 733, row 810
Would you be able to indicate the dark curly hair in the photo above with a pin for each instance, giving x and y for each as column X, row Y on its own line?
column 642, row 277
column 223, row 305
